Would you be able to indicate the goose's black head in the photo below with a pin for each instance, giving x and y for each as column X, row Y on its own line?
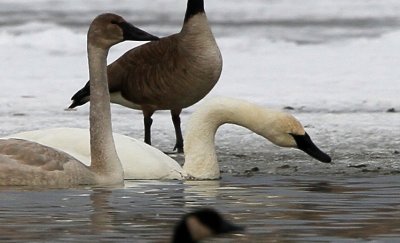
column 200, row 224
column 194, row 7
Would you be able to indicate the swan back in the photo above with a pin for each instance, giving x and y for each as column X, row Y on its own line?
column 139, row 160
column 39, row 165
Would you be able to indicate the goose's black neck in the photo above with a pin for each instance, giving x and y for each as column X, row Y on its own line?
column 194, row 7
column 181, row 233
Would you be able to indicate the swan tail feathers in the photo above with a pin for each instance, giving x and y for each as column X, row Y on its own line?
column 81, row 97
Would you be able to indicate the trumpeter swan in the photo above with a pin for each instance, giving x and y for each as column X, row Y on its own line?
column 28, row 163
column 141, row 161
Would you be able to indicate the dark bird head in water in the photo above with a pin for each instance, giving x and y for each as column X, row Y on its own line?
column 201, row 224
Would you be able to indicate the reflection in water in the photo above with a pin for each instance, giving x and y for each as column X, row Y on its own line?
column 273, row 208
column 199, row 193
column 101, row 219
column 367, row 219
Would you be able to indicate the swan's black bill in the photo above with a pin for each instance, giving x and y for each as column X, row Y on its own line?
column 305, row 144
column 133, row 33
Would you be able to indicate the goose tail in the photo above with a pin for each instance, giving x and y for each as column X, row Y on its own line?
column 81, row 97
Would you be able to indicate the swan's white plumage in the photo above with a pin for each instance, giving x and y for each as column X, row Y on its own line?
column 139, row 160
column 203, row 124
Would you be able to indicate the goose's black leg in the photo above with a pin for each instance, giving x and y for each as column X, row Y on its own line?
column 175, row 114
column 147, row 126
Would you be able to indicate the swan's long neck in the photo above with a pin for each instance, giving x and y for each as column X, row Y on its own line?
column 200, row 155
column 104, row 158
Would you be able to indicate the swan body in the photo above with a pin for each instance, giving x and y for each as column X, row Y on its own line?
column 139, row 160
column 26, row 163
column 201, row 162
column 170, row 74
column 40, row 165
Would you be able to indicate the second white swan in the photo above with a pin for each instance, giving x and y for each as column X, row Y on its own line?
column 141, row 161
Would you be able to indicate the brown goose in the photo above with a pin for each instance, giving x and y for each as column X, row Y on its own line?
column 170, row 74
column 25, row 163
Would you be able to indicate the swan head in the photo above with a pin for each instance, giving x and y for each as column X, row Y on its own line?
column 288, row 132
column 201, row 224
column 109, row 29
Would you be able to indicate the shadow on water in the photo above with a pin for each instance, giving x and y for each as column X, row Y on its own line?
column 273, row 208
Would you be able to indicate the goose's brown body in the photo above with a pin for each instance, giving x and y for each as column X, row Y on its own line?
column 170, row 74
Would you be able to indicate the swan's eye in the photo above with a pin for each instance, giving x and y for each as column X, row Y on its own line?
column 119, row 24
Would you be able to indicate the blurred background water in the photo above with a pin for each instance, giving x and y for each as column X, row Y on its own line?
column 334, row 63
column 309, row 22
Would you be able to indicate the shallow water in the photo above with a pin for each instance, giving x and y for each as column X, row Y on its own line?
column 273, row 209
column 333, row 61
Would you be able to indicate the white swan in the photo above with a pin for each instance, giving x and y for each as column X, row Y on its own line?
column 28, row 163
column 201, row 162
column 139, row 160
